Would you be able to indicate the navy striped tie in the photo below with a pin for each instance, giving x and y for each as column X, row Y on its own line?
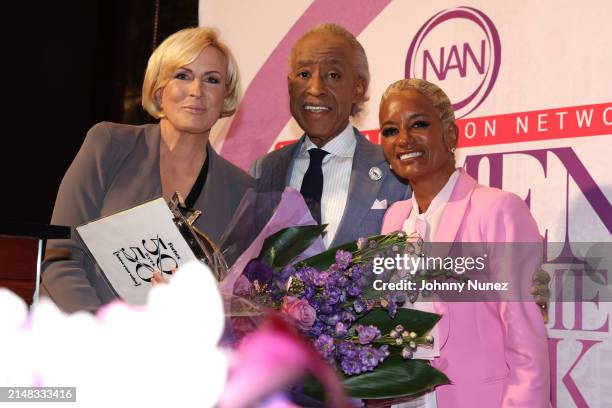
column 312, row 184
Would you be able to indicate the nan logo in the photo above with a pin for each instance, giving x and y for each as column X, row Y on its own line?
column 458, row 49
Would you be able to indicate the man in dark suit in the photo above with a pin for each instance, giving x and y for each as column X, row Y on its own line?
column 344, row 178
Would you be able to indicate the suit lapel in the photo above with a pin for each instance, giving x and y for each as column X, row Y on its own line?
column 138, row 178
column 395, row 217
column 153, row 142
column 362, row 189
column 454, row 210
column 277, row 169
column 288, row 159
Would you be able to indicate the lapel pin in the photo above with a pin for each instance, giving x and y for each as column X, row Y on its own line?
column 375, row 173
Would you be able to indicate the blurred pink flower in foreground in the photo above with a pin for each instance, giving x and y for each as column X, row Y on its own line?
column 162, row 354
column 272, row 359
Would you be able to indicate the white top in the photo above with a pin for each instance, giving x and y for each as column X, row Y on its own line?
column 426, row 225
column 336, row 169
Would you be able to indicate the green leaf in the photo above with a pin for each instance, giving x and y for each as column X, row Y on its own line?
column 280, row 248
column 413, row 320
column 395, row 377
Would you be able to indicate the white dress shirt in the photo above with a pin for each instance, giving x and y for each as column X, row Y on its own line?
column 426, row 225
column 336, row 167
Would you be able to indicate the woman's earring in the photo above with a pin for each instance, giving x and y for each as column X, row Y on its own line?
column 452, row 150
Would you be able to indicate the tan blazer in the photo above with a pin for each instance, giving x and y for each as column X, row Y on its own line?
column 116, row 168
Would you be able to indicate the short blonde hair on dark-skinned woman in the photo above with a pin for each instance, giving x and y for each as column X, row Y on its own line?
column 178, row 50
column 432, row 92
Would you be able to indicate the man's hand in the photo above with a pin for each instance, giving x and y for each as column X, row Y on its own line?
column 540, row 291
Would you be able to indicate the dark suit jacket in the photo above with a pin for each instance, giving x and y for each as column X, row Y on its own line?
column 273, row 172
column 117, row 168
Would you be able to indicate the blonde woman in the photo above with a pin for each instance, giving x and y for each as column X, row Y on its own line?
column 191, row 81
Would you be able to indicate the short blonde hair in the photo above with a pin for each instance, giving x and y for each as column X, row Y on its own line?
column 362, row 68
column 432, row 92
column 178, row 50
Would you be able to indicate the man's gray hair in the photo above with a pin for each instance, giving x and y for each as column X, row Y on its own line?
column 361, row 60
column 433, row 93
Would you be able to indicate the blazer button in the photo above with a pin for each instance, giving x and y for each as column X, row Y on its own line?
column 441, row 363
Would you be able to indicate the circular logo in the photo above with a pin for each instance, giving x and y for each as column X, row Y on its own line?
column 375, row 173
column 459, row 50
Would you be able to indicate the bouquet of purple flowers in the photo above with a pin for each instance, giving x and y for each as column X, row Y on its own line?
column 330, row 299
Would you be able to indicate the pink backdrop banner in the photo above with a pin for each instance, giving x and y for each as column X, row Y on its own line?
column 531, row 86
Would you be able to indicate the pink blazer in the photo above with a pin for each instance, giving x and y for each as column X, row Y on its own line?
column 495, row 354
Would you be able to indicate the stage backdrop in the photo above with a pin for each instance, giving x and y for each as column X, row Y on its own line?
column 531, row 84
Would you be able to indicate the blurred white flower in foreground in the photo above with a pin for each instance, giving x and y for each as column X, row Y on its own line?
column 161, row 354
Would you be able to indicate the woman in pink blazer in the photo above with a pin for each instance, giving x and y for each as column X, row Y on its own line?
column 494, row 353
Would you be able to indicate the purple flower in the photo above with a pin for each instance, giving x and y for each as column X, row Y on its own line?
column 348, row 317
column 367, row 270
column 257, row 270
column 283, row 276
column 318, row 328
column 350, row 366
column 367, row 334
column 325, row 345
column 340, row 329
column 342, row 281
column 384, row 352
column 361, row 358
column 332, row 294
column 307, row 274
column 369, row 358
column 321, row 278
column 354, row 273
column 343, row 259
column 353, row 289
column 347, row 348
column 391, row 305
column 359, row 305
column 333, row 319
column 324, row 307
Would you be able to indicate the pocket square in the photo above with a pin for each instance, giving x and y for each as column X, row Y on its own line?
column 379, row 205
